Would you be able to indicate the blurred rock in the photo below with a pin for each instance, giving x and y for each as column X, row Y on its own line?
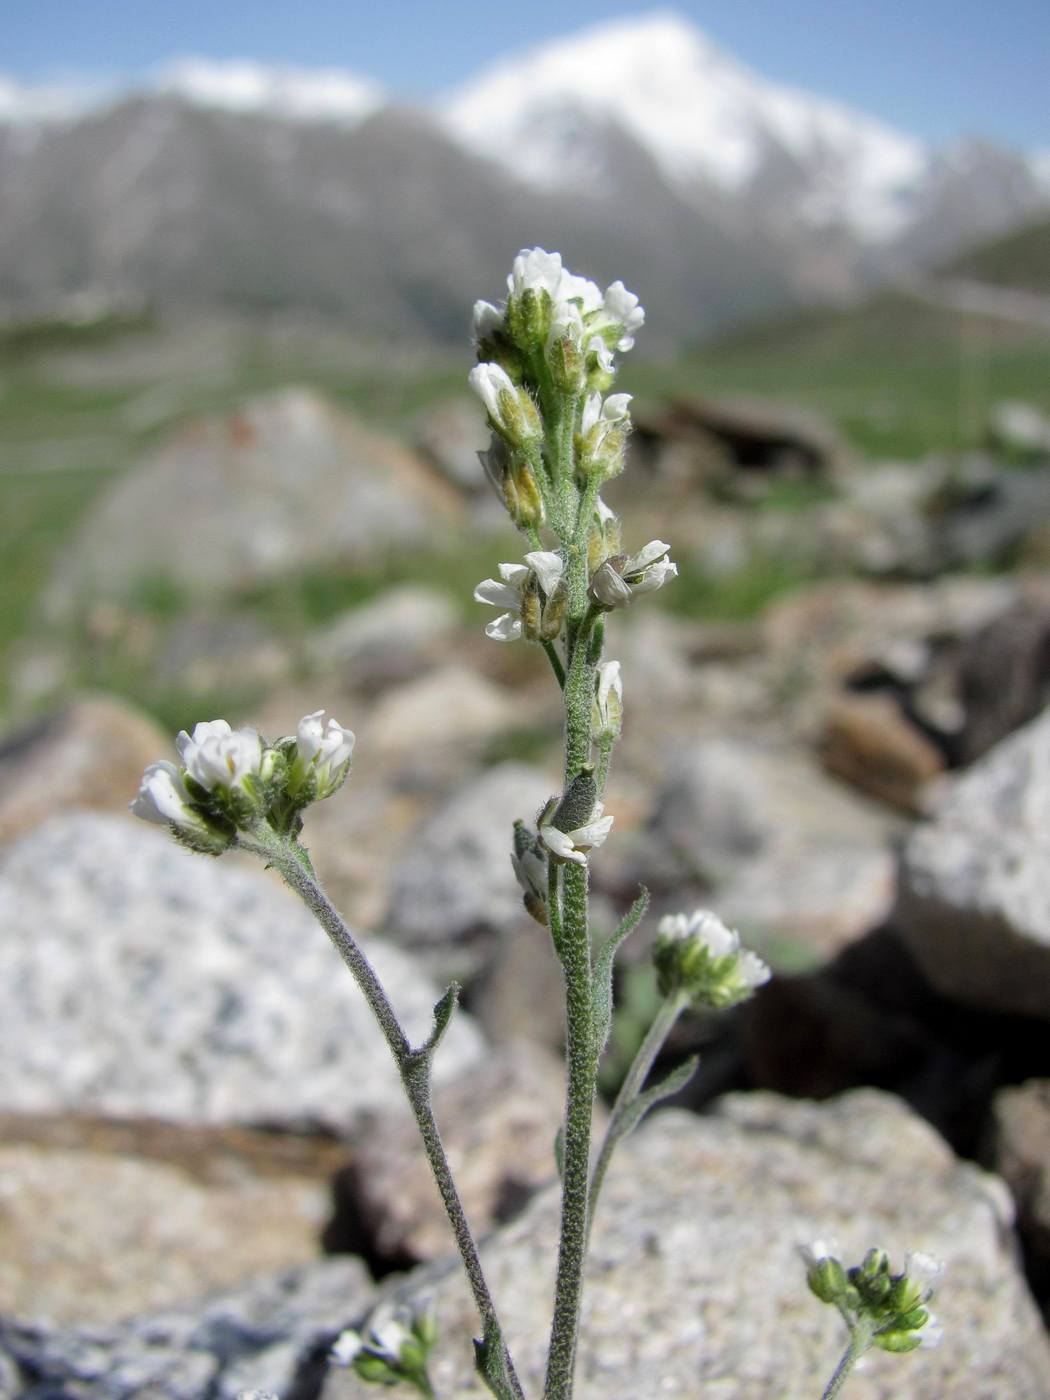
column 694, row 1277
column 870, row 743
column 974, row 905
column 498, row 1124
column 454, row 881
column 1019, row 427
column 390, row 639
column 1004, row 675
column 450, row 436
column 783, row 851
column 285, row 482
column 211, row 652
column 438, row 718
column 1019, row 1150
column 747, row 440
column 137, row 978
column 90, row 754
column 92, row 1233
column 268, row 1335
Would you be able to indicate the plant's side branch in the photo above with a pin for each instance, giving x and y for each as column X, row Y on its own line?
column 413, row 1066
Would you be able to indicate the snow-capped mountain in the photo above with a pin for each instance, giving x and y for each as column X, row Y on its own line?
column 704, row 117
column 637, row 147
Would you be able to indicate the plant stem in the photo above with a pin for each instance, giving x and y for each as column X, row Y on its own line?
column 669, row 1011
column 582, row 1073
column 574, row 950
column 859, row 1343
column 413, row 1067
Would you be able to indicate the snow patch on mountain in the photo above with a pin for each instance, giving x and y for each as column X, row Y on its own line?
column 698, row 111
column 296, row 94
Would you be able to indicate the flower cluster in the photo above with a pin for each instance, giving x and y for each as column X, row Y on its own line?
column 535, row 594
column 699, row 956
column 231, row 780
column 546, row 362
column 889, row 1308
column 395, row 1347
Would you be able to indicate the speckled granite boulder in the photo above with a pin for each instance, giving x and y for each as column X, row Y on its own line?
column 136, row 978
column 272, row 1335
column 695, row 1287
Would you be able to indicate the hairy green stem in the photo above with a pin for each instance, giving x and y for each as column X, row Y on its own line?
column 582, row 1070
column 669, row 1011
column 574, row 950
column 413, row 1067
column 859, row 1343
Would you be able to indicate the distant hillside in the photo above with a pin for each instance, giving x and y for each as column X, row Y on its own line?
column 1020, row 259
column 898, row 376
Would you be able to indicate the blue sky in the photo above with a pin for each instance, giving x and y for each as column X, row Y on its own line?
column 939, row 68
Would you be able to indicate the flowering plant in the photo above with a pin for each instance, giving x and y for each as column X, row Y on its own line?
column 546, row 362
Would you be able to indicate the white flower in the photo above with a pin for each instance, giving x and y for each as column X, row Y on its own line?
column 819, row 1250
column 536, row 270
column 595, row 411
column 618, row 581
column 698, row 955
column 575, row 845
column 346, row 1348
column 510, row 409
column 608, row 701
column 487, row 321
column 621, row 309
column 489, row 382
column 932, row 1332
column 547, row 568
column 324, row 753
column 581, row 290
column 597, row 347
column 923, row 1270
column 566, row 325
column 217, row 756
column 163, row 798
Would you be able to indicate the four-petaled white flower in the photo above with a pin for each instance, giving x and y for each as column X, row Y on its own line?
column 575, row 845
column 322, row 753
column 543, row 565
column 621, row 579
column 218, row 756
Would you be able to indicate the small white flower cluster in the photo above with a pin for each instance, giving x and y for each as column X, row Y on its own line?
column 889, row 1309
column 699, row 956
column 575, row 307
column 576, row 845
column 395, row 1346
column 229, row 779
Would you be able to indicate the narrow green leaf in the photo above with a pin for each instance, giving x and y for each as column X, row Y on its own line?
column 442, row 1016
column 602, row 976
column 636, row 1110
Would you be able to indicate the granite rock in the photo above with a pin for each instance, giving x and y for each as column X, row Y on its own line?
column 137, row 978
column 455, row 879
column 695, row 1283
column 974, row 902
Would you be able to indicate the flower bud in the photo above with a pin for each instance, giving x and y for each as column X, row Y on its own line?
column 511, row 410
column 607, row 716
column 163, row 799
